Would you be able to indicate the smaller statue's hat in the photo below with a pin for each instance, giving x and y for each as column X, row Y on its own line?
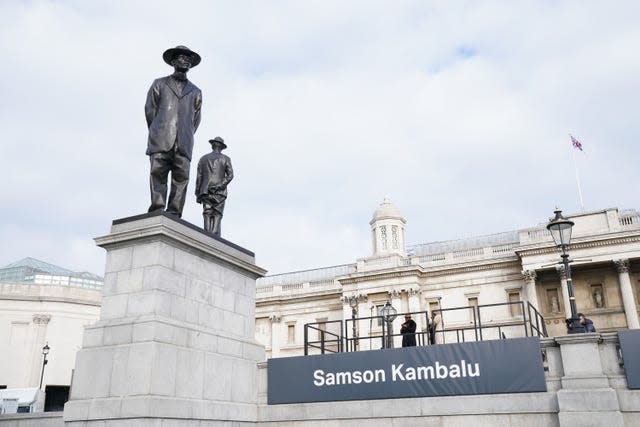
column 169, row 54
column 218, row 140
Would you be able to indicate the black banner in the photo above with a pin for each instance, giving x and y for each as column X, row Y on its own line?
column 630, row 346
column 486, row 367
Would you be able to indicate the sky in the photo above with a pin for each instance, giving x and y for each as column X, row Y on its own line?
column 458, row 111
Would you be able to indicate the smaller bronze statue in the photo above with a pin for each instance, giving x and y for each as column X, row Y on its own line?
column 214, row 174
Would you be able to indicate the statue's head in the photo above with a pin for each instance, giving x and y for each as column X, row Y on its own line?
column 181, row 58
column 217, row 143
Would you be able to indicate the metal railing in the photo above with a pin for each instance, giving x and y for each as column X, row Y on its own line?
column 327, row 341
column 540, row 328
column 376, row 336
column 441, row 332
column 484, row 322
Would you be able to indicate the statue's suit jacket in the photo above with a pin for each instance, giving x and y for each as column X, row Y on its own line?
column 214, row 169
column 172, row 116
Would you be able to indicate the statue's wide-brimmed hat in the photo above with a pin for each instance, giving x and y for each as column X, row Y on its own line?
column 218, row 140
column 169, row 54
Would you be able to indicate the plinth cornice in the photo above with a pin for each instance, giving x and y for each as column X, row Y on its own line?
column 163, row 227
column 592, row 337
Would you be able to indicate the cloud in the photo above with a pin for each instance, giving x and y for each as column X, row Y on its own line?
column 459, row 112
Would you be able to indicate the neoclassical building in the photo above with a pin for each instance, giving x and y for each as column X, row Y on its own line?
column 43, row 304
column 457, row 275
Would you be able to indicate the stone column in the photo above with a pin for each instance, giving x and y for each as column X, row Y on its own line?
column 630, row 311
column 396, row 302
column 276, row 334
column 586, row 398
column 420, row 319
column 175, row 342
column 530, row 293
column 346, row 310
column 347, row 315
column 40, row 322
column 364, row 326
column 565, row 291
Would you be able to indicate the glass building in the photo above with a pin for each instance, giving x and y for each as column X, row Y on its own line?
column 30, row 270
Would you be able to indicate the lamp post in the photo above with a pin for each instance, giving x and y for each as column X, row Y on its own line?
column 389, row 314
column 560, row 229
column 353, row 303
column 45, row 351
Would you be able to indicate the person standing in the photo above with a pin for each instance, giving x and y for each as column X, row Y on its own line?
column 172, row 110
column 408, row 331
column 435, row 328
column 214, row 174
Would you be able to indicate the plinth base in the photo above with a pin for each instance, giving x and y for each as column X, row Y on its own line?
column 175, row 339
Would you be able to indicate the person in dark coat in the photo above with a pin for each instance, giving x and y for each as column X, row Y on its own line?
column 172, row 111
column 408, row 331
column 587, row 323
column 214, row 174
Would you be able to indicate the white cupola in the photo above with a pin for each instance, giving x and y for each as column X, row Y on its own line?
column 387, row 230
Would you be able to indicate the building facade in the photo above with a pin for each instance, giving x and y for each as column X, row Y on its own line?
column 42, row 304
column 457, row 276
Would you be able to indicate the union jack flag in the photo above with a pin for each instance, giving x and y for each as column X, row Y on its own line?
column 576, row 143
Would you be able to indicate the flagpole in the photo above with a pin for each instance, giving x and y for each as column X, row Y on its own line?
column 575, row 166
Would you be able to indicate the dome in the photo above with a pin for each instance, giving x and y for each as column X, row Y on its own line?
column 386, row 210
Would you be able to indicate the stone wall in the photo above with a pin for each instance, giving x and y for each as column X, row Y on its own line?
column 45, row 419
column 586, row 386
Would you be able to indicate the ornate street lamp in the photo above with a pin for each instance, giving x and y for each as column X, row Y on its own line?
column 389, row 314
column 353, row 302
column 560, row 229
column 45, row 351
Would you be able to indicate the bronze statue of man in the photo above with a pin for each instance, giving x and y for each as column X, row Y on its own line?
column 173, row 115
column 214, row 174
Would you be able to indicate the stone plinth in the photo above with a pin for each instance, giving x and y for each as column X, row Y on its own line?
column 175, row 339
column 586, row 398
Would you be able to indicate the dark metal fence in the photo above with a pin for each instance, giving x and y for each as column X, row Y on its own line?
column 536, row 322
column 327, row 341
column 485, row 322
column 379, row 338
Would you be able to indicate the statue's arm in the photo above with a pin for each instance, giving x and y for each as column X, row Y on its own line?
column 197, row 110
column 198, row 181
column 228, row 172
column 151, row 106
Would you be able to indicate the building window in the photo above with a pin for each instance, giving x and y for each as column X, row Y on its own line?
column 379, row 314
column 553, row 302
column 472, row 302
column 383, row 237
column 597, row 296
column 515, row 308
column 433, row 306
column 322, row 327
column 291, row 334
column 394, row 237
